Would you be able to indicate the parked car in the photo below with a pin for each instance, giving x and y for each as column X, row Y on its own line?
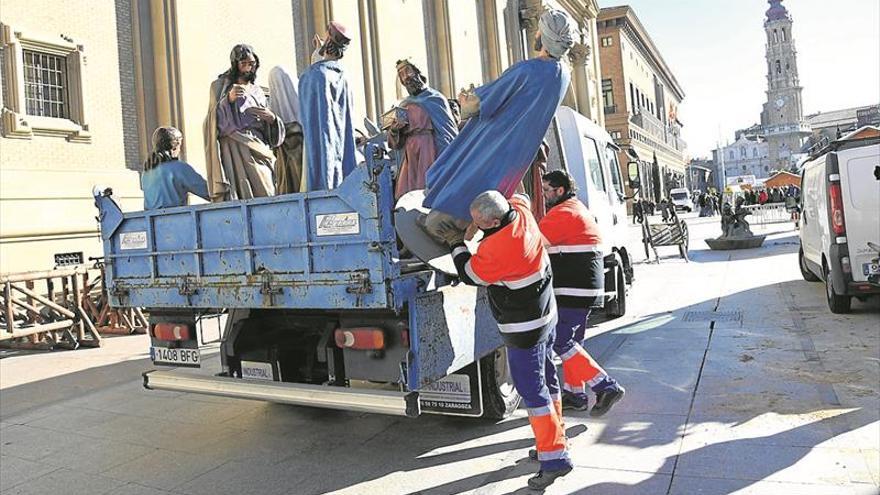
column 681, row 199
column 839, row 225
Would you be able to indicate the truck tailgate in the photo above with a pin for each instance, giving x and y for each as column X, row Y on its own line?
column 317, row 250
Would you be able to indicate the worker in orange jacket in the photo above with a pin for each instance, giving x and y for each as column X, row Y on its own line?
column 512, row 264
column 574, row 244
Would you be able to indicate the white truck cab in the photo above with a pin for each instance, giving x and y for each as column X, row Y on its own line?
column 589, row 154
column 840, row 218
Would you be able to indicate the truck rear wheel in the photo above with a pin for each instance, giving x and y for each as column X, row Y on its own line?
column 616, row 307
column 500, row 398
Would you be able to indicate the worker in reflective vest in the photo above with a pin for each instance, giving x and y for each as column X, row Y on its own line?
column 575, row 247
column 513, row 265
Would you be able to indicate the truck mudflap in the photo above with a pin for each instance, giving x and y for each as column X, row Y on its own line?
column 455, row 328
column 300, row 394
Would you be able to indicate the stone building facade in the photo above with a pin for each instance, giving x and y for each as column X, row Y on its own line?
column 748, row 155
column 641, row 98
column 85, row 82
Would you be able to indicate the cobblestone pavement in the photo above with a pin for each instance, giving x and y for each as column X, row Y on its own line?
column 739, row 380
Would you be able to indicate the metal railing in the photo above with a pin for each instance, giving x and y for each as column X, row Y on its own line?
column 768, row 213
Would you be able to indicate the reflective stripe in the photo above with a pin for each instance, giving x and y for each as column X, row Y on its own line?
column 525, row 326
column 571, row 291
column 540, row 411
column 576, row 248
column 577, row 390
column 524, row 282
column 596, row 380
column 528, row 279
column 459, row 250
column 570, row 353
column 553, row 455
column 470, row 273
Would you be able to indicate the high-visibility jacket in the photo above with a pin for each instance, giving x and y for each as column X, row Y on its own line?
column 576, row 253
column 512, row 263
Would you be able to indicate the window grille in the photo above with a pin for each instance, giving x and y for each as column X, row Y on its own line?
column 45, row 85
column 68, row 259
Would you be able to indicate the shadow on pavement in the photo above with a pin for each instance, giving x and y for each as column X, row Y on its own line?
column 322, row 450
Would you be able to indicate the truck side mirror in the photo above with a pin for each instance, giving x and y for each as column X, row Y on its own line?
column 633, row 172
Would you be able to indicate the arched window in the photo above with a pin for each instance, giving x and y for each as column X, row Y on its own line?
column 775, row 36
column 778, row 67
column 783, row 34
column 732, row 156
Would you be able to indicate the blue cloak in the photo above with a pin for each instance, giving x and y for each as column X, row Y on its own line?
column 328, row 134
column 437, row 108
column 495, row 148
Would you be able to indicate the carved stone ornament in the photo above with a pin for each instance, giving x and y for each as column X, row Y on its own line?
column 528, row 17
column 580, row 54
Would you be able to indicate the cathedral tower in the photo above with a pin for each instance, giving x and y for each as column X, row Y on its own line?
column 783, row 114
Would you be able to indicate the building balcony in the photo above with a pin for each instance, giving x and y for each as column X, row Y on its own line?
column 611, row 109
column 658, row 131
column 801, row 128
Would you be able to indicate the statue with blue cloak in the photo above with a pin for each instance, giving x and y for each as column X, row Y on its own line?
column 325, row 103
column 507, row 122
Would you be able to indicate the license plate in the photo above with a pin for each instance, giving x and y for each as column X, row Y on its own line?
column 451, row 389
column 871, row 268
column 176, row 357
column 256, row 370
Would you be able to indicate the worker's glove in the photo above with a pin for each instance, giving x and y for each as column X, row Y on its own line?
column 444, row 228
column 453, row 236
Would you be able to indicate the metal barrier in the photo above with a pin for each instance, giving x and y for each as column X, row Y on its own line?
column 63, row 308
column 768, row 213
column 46, row 318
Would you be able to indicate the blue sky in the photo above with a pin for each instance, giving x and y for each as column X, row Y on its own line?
column 715, row 48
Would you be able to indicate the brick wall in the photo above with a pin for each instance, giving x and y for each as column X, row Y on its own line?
column 127, row 88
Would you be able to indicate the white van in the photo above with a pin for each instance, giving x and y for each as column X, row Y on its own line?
column 840, row 218
column 589, row 154
column 681, row 199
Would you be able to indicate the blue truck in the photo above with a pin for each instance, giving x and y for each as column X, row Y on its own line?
column 321, row 309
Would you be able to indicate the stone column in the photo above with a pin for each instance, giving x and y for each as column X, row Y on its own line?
column 441, row 73
column 487, row 16
column 580, row 78
column 529, row 13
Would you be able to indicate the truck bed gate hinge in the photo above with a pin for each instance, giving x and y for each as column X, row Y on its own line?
column 268, row 289
column 359, row 282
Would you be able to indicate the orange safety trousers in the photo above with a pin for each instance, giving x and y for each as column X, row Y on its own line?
column 580, row 371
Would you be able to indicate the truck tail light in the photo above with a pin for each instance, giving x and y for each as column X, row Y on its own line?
column 171, row 331
column 837, row 222
column 366, row 338
column 845, row 265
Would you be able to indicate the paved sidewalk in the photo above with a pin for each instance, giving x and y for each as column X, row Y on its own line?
column 739, row 380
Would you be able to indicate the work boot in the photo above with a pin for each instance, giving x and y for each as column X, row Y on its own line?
column 544, row 479
column 605, row 399
column 574, row 402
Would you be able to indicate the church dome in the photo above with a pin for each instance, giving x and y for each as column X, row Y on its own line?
column 777, row 11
